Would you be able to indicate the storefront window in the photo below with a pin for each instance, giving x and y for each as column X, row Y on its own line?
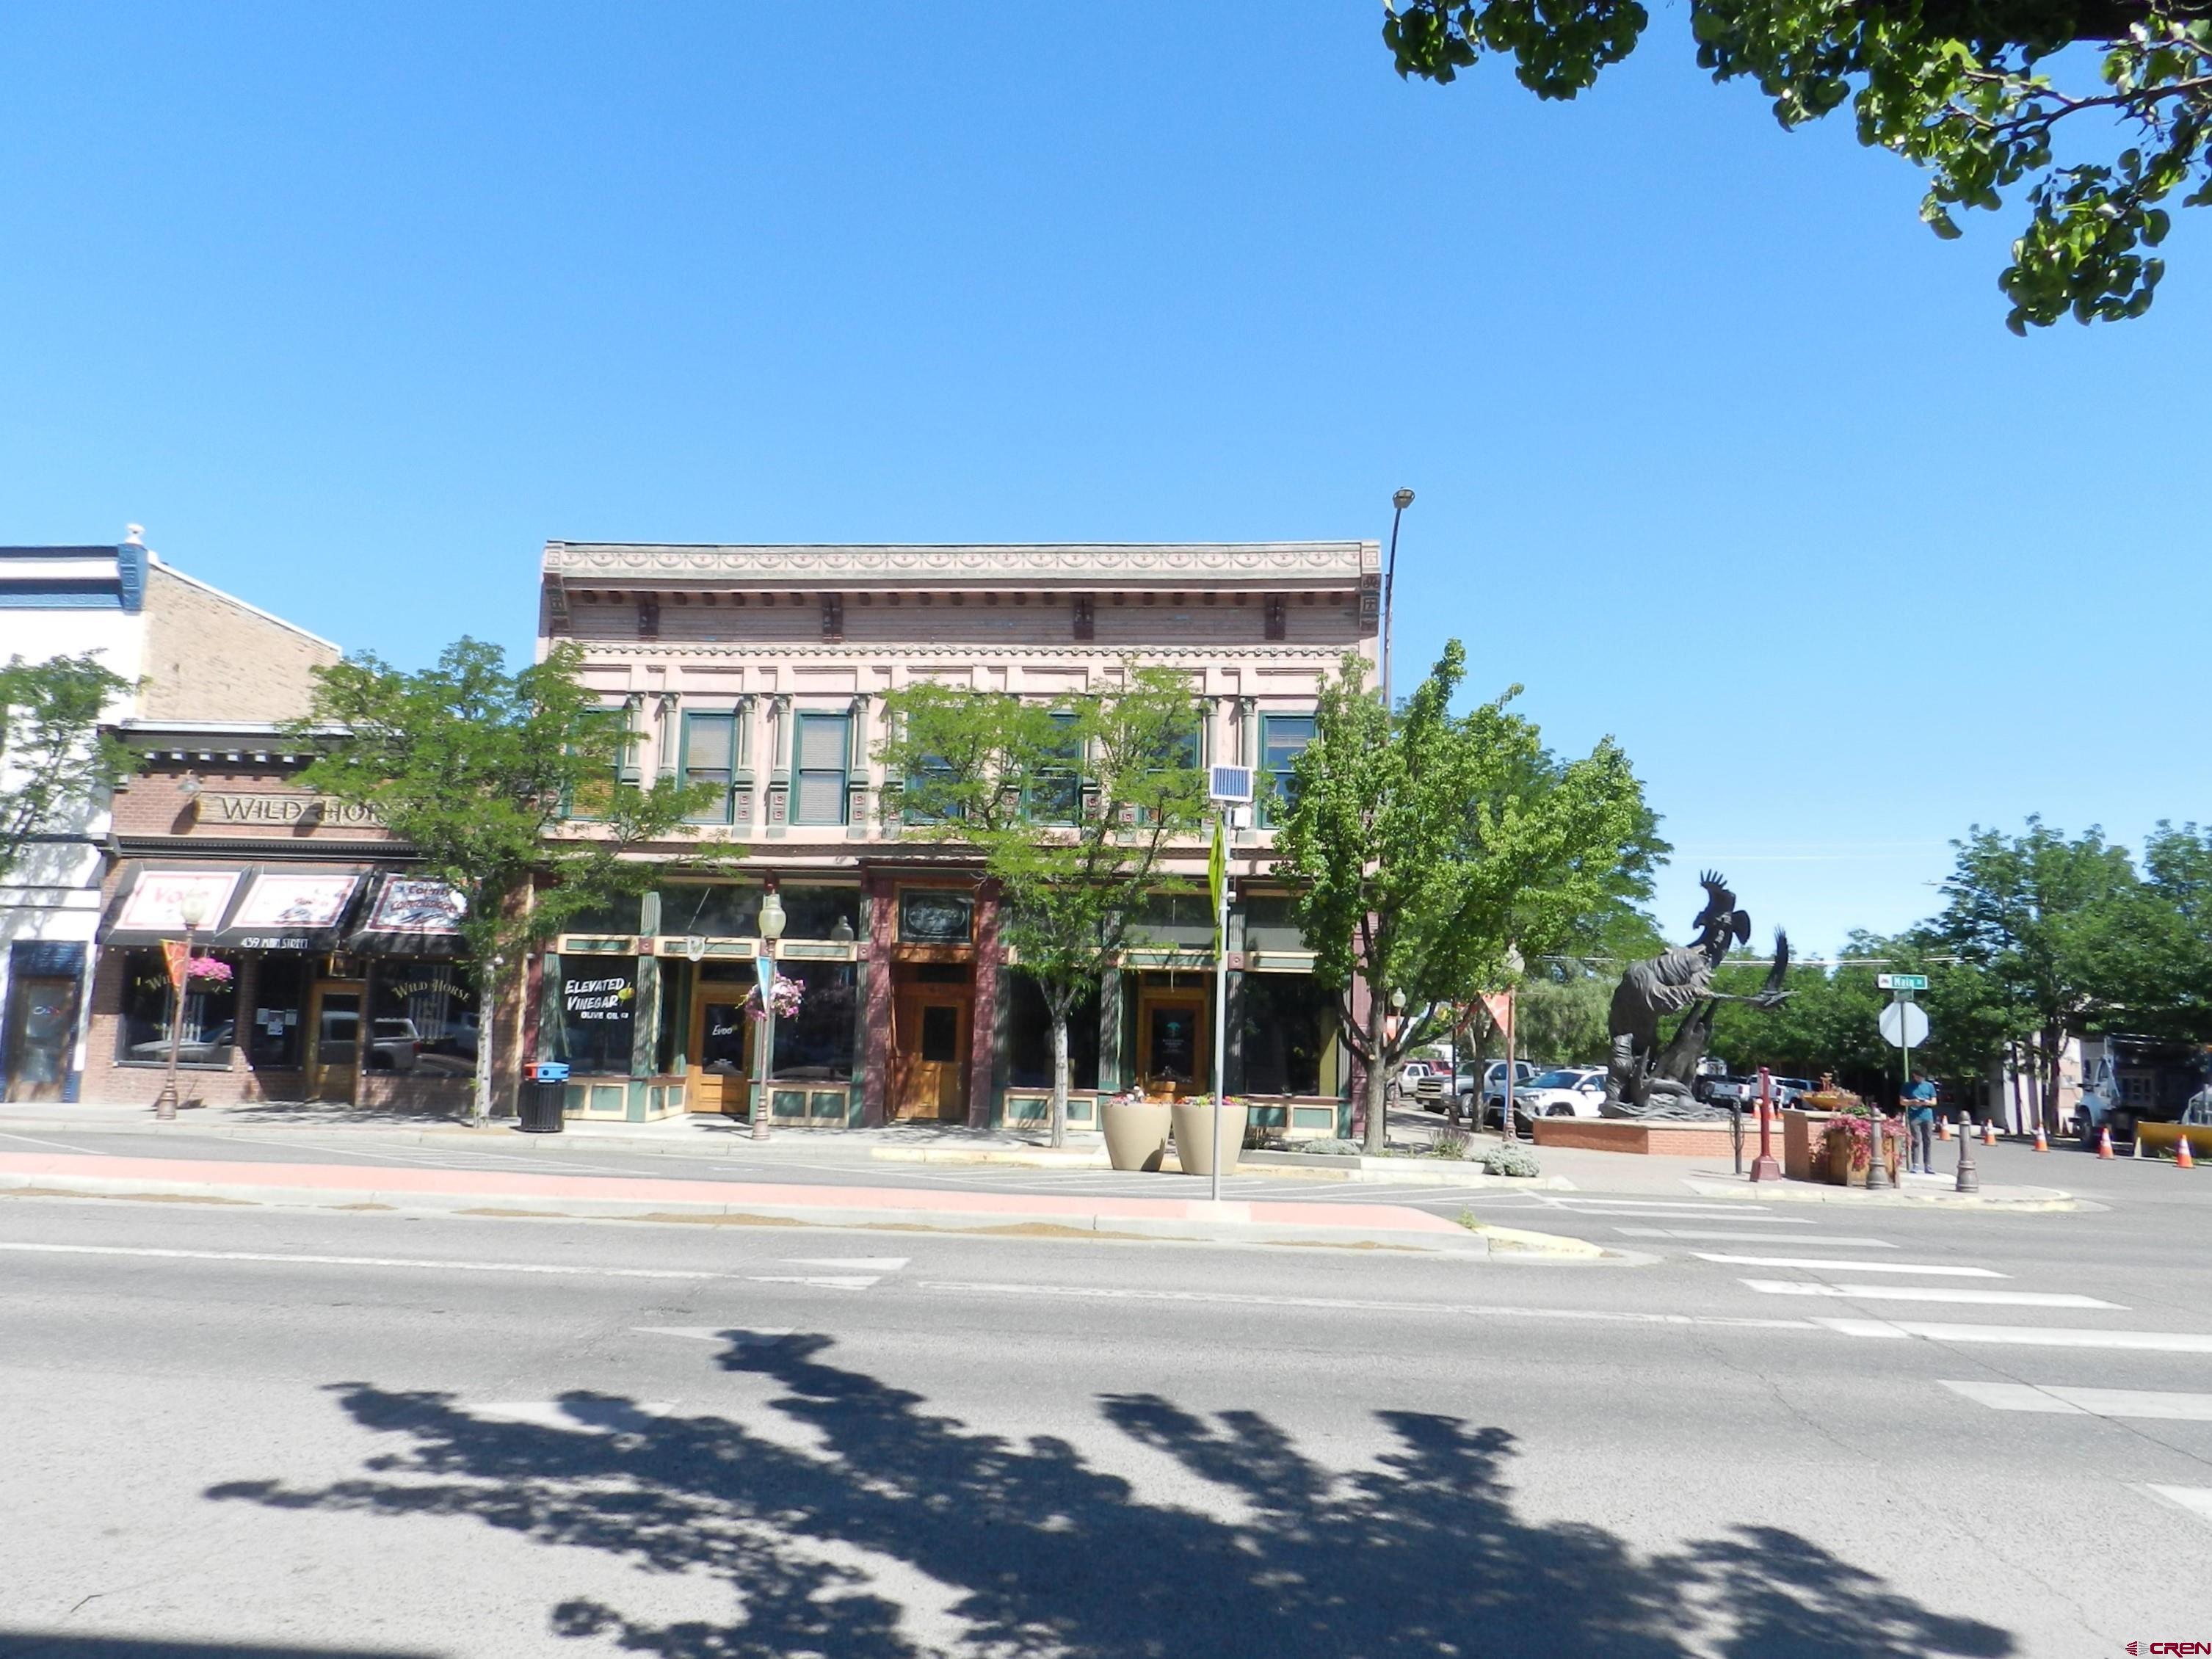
column 280, row 986
column 1185, row 918
column 1269, row 926
column 936, row 916
column 717, row 911
column 816, row 1043
column 619, row 914
column 425, row 1015
column 1028, row 1037
column 820, row 913
column 1289, row 1019
column 209, row 1027
column 598, row 996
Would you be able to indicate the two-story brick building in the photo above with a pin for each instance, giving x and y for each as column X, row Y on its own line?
column 761, row 670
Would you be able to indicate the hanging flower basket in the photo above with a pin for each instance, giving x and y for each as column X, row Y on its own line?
column 207, row 967
column 785, row 998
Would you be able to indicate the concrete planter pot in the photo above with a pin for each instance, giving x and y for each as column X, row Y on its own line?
column 1136, row 1132
column 1191, row 1119
column 1840, row 1173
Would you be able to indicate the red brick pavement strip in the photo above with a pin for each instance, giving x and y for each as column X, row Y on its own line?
column 331, row 1184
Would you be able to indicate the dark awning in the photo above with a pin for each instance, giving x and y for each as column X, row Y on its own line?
column 287, row 906
column 150, row 900
column 294, row 907
column 410, row 916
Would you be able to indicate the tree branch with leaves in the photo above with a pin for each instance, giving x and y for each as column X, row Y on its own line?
column 1073, row 805
column 504, row 785
column 1969, row 91
column 1430, row 847
column 55, row 762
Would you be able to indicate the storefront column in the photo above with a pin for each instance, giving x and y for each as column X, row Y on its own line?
column 1111, row 1078
column 364, row 1042
column 983, row 1028
column 1233, row 1014
column 882, row 918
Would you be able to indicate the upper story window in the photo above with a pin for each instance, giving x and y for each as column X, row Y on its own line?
column 1055, row 793
column 821, row 765
column 710, row 753
column 1283, row 738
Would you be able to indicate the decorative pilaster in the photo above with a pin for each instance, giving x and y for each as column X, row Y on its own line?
column 778, row 781
column 1248, row 732
column 879, row 913
column 983, row 1026
column 1112, row 1077
column 741, row 779
column 858, row 773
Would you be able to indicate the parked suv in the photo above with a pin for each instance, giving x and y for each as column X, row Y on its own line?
column 1570, row 1092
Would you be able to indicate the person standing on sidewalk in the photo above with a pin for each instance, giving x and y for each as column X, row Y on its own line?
column 1919, row 1103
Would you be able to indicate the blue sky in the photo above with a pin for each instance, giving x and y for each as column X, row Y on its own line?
column 1718, row 450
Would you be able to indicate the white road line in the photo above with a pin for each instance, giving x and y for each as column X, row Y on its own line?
column 1599, row 1205
column 1823, row 1241
column 873, row 1264
column 2087, row 1402
column 575, row 1416
column 1670, row 1215
column 1816, row 1262
column 2197, row 1500
column 1930, row 1293
column 751, row 1336
column 558, row 1270
column 63, row 1146
column 1337, row 1304
column 2023, row 1336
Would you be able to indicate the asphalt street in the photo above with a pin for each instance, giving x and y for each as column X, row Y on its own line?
column 1793, row 1428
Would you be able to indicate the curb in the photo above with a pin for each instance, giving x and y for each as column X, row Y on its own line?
column 1233, row 1223
column 1519, row 1240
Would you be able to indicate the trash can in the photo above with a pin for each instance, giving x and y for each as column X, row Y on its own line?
column 545, row 1102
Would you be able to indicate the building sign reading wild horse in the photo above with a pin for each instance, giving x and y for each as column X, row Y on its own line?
column 1646, row 1080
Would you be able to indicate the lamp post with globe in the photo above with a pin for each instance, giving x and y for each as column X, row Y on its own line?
column 771, row 930
column 192, row 910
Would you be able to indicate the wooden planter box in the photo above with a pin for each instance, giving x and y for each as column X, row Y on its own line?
column 1839, row 1172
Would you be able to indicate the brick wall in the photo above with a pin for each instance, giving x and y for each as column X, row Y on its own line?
column 208, row 657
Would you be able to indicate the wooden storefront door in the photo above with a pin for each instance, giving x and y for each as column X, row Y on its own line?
column 929, row 1052
column 721, row 1051
column 334, row 1041
column 1172, row 1056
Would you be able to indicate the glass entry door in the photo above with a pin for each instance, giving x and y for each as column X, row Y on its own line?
column 721, row 1051
column 1172, row 1056
column 929, row 1052
column 334, row 1057
column 41, row 1026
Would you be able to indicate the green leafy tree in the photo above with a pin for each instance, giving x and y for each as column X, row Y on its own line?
column 55, row 761
column 1984, row 95
column 505, row 786
column 2168, row 973
column 1073, row 806
column 2048, row 920
column 1430, row 846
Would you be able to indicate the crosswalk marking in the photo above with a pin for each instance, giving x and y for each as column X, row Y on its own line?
column 1644, row 1213
column 2197, row 1500
column 1930, row 1293
column 1824, row 1241
column 819, row 1281
column 1458, row 1309
column 2023, row 1336
column 2063, row 1402
column 1815, row 1262
column 752, row 1336
column 1601, row 1205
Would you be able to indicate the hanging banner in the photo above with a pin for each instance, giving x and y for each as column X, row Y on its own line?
column 1499, row 1003
column 178, row 954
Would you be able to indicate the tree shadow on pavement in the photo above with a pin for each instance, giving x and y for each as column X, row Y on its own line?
column 903, row 1533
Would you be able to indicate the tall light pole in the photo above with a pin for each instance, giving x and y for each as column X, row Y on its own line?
column 192, row 910
column 1399, row 503
column 771, row 929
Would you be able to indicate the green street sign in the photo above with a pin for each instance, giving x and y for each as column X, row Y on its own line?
column 1901, row 981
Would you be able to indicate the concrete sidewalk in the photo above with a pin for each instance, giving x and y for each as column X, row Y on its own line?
column 501, row 1193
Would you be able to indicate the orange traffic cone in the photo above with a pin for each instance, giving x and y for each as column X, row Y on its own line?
column 2042, row 1145
column 2104, row 1141
column 1943, row 1128
column 1988, row 1132
column 2182, row 1155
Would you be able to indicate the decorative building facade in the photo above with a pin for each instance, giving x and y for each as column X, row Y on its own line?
column 188, row 650
column 761, row 670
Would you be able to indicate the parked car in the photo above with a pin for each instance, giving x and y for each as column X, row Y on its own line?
column 1410, row 1077
column 1727, row 1091
column 1570, row 1092
column 211, row 1048
column 394, row 1045
column 1493, row 1087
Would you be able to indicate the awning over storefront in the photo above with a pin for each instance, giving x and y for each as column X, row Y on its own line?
column 293, row 907
column 410, row 916
column 150, row 899
column 288, row 907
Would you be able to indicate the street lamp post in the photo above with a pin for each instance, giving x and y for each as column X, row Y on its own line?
column 771, row 929
column 192, row 910
column 1399, row 503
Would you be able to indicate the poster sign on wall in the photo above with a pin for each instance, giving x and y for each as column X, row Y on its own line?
column 295, row 901
column 412, row 904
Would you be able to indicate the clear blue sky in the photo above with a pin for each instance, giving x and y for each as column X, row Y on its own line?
column 1718, row 450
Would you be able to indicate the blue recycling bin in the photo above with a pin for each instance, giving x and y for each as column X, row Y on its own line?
column 544, row 1102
